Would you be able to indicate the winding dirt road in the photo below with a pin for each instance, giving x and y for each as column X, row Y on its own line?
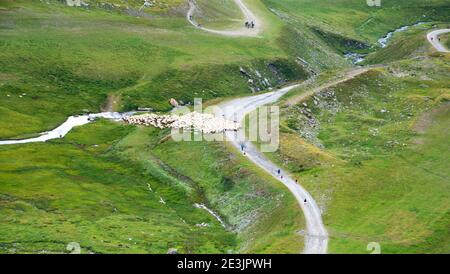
column 316, row 238
column 433, row 38
column 244, row 31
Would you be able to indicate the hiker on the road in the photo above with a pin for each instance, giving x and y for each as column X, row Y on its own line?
column 253, row 24
column 304, row 201
column 246, row 24
column 279, row 171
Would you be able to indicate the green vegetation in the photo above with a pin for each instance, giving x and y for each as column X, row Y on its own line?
column 370, row 150
column 92, row 187
column 52, row 54
column 374, row 157
column 219, row 14
column 445, row 38
column 106, row 187
column 137, row 6
column 355, row 19
column 342, row 44
column 78, row 190
column 336, row 28
column 252, row 202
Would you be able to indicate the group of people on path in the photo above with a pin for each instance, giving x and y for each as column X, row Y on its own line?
column 250, row 24
column 281, row 176
column 242, row 146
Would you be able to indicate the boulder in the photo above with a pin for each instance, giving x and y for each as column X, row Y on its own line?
column 173, row 102
column 172, row 251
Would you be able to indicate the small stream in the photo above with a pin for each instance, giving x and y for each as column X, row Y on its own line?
column 357, row 58
column 68, row 125
column 354, row 57
column 202, row 206
column 384, row 40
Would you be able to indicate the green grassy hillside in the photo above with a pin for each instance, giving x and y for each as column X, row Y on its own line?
column 52, row 54
column 117, row 189
column 219, row 14
column 355, row 19
column 78, row 190
column 370, row 151
column 58, row 61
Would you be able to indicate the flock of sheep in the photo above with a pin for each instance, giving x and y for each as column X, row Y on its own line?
column 202, row 122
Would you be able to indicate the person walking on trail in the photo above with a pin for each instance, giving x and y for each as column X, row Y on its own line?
column 246, row 24
column 304, row 201
column 278, row 171
column 253, row 25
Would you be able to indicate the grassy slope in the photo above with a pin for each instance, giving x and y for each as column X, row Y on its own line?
column 355, row 19
column 68, row 59
column 219, row 14
column 168, row 6
column 80, row 190
column 377, row 178
column 255, row 205
column 93, row 188
column 445, row 38
column 52, row 54
column 58, row 61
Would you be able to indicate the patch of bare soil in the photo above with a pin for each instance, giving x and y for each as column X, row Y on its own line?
column 111, row 103
column 427, row 118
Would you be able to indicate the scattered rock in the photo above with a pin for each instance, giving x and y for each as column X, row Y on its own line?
column 172, row 251
column 202, row 225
